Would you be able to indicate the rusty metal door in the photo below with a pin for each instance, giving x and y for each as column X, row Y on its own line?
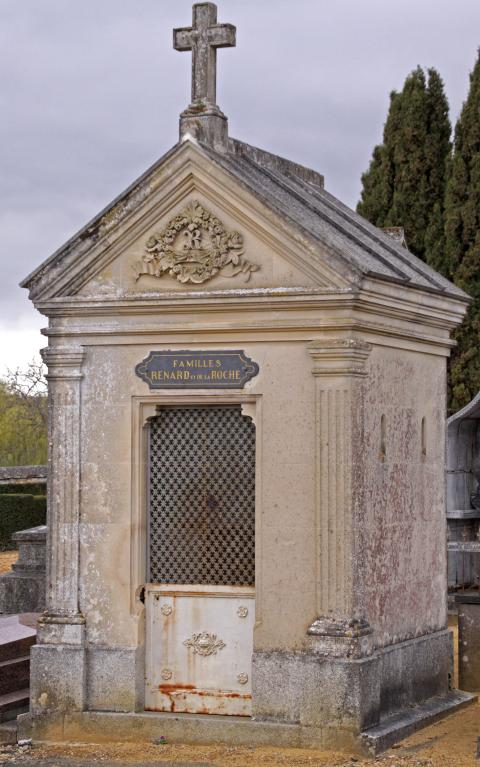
column 199, row 649
column 200, row 596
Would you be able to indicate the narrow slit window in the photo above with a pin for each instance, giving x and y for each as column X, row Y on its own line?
column 424, row 437
column 383, row 433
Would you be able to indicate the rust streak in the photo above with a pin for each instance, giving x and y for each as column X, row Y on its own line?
column 171, row 689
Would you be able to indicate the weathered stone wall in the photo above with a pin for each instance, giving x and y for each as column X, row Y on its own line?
column 399, row 518
column 402, row 536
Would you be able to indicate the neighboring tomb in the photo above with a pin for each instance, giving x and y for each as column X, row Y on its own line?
column 23, row 501
column 463, row 498
column 463, row 519
column 23, row 589
column 23, row 475
column 246, row 483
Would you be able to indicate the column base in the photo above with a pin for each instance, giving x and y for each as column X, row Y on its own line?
column 58, row 670
column 58, row 629
column 340, row 638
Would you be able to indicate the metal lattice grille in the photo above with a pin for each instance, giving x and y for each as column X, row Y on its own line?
column 202, row 496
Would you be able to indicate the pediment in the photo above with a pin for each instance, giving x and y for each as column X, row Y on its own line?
column 202, row 246
column 187, row 226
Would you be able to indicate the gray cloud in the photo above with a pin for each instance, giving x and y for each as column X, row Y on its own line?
column 90, row 95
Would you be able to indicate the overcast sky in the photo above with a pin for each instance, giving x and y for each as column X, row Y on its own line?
column 91, row 91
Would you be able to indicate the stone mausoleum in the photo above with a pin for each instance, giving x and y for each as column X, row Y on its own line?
column 247, row 432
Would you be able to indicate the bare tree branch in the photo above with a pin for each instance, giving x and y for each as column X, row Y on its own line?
column 30, row 387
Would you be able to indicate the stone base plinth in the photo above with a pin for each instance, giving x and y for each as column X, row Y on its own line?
column 206, row 125
column 105, row 727
column 57, row 679
column 299, row 699
column 358, row 692
column 115, row 678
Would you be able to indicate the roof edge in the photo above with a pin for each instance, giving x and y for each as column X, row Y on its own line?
column 275, row 162
column 470, row 410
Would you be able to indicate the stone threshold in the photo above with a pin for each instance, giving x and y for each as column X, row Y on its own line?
column 401, row 725
column 106, row 726
column 191, row 729
column 8, row 732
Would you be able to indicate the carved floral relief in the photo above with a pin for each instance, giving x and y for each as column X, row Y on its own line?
column 194, row 247
column 204, row 643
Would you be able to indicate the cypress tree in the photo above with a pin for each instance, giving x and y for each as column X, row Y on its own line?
column 405, row 183
column 462, row 243
column 409, row 206
column 377, row 181
column 376, row 191
column 438, row 154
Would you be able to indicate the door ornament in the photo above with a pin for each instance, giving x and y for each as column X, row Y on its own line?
column 166, row 674
column 242, row 678
column 242, row 611
column 204, row 643
column 166, row 609
column 194, row 247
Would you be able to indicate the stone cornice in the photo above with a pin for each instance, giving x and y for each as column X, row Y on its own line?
column 374, row 298
column 89, row 327
column 271, row 331
column 339, row 356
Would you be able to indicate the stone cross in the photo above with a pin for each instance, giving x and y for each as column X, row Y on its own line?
column 203, row 38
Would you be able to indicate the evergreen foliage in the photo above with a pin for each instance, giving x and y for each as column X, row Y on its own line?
column 462, row 244
column 19, row 512
column 19, row 487
column 405, row 183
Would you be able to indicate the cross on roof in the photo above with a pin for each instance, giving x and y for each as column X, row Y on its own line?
column 203, row 38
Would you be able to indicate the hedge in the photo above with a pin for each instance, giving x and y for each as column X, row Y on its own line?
column 21, row 488
column 19, row 512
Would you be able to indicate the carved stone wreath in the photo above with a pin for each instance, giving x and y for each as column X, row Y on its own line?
column 194, row 247
column 204, row 643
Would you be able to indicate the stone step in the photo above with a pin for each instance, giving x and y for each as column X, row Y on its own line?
column 15, row 649
column 14, row 703
column 8, row 732
column 14, row 674
column 16, row 638
column 399, row 726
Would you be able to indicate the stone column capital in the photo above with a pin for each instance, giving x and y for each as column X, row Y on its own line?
column 339, row 356
column 63, row 362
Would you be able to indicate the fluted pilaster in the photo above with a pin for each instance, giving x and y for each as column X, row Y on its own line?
column 339, row 368
column 64, row 377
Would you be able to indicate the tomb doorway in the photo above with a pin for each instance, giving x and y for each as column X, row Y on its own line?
column 200, row 595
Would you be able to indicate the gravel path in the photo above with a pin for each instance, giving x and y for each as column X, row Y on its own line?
column 7, row 558
column 452, row 742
